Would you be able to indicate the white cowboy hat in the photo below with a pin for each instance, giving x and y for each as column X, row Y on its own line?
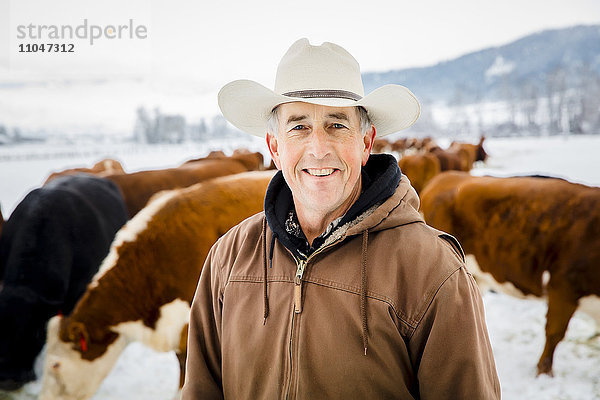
column 326, row 75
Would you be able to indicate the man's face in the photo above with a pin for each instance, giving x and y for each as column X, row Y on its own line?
column 320, row 151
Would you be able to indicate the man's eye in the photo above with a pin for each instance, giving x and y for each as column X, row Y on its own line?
column 298, row 127
column 338, row 126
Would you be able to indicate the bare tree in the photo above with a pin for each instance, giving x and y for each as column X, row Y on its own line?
column 530, row 104
column 143, row 125
column 589, row 101
column 556, row 92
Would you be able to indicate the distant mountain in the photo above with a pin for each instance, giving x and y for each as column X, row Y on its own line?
column 500, row 72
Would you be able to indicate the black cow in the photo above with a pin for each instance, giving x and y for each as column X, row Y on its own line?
column 50, row 248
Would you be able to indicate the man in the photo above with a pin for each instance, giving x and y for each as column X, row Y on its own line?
column 339, row 289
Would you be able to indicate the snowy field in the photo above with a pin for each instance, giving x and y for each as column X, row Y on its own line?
column 516, row 326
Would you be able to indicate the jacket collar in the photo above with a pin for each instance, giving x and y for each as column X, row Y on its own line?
column 380, row 178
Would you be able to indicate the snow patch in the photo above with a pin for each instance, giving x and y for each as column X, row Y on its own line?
column 500, row 67
column 591, row 306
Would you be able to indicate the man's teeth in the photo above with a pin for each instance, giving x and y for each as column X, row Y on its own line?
column 320, row 172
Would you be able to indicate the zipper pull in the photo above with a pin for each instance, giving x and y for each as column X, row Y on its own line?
column 298, row 287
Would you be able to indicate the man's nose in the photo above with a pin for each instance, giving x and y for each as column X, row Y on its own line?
column 319, row 146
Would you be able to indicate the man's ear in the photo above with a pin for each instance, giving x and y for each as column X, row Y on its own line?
column 368, row 140
column 273, row 146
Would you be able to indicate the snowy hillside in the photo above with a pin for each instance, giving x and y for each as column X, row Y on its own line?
column 544, row 82
column 516, row 326
column 484, row 72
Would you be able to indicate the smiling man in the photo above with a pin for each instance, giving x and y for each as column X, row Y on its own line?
column 320, row 152
column 338, row 289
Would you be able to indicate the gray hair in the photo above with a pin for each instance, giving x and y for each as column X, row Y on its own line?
column 365, row 121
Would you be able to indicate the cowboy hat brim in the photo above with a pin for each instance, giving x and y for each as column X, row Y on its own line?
column 248, row 105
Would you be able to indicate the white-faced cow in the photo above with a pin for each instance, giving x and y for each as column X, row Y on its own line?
column 540, row 234
column 145, row 286
column 50, row 248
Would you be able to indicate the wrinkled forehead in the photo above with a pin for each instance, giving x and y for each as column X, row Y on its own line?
column 300, row 111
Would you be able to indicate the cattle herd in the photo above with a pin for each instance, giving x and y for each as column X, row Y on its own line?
column 97, row 258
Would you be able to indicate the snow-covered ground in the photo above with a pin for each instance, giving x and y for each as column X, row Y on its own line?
column 516, row 326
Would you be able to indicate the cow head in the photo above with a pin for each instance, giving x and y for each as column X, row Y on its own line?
column 77, row 361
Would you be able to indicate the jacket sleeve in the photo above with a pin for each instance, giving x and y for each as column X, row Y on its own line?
column 451, row 344
column 203, row 364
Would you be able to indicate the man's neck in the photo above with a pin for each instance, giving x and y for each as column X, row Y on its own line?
column 314, row 222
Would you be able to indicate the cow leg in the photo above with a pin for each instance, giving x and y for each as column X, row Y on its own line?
column 181, row 357
column 182, row 353
column 560, row 310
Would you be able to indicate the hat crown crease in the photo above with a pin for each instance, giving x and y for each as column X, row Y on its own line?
column 327, row 67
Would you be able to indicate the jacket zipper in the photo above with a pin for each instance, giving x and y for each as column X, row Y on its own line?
column 298, row 286
column 290, row 349
column 301, row 267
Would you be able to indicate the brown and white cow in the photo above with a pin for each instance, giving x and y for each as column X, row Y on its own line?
column 102, row 168
column 138, row 187
column 419, row 168
column 145, row 286
column 540, row 234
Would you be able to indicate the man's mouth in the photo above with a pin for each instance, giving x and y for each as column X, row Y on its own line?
column 319, row 171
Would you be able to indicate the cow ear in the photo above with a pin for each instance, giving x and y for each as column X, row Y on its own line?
column 78, row 335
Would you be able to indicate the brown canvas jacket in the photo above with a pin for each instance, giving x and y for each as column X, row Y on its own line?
column 384, row 310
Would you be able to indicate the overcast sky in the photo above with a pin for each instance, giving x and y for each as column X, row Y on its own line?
column 248, row 38
column 218, row 41
column 193, row 47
